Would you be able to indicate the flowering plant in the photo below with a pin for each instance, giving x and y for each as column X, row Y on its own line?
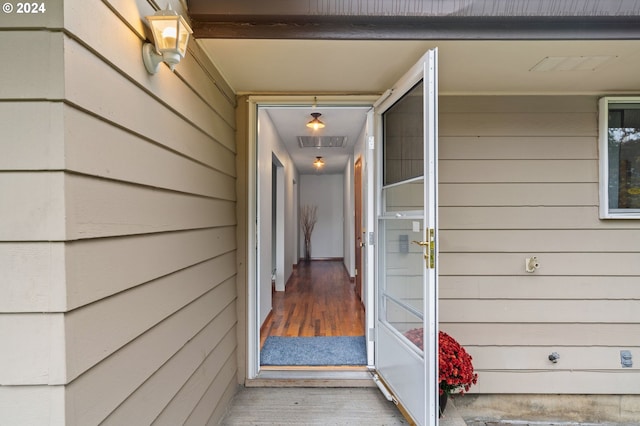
column 456, row 370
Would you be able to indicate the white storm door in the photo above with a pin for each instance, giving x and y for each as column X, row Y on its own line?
column 406, row 281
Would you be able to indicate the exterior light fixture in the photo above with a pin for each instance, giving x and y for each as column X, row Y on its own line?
column 318, row 163
column 170, row 37
column 315, row 124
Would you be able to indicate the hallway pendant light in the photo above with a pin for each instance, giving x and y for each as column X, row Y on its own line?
column 170, row 37
column 318, row 163
column 315, row 124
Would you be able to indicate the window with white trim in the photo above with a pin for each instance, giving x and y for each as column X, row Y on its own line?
column 620, row 158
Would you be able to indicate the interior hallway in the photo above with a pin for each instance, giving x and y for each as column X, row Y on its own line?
column 319, row 300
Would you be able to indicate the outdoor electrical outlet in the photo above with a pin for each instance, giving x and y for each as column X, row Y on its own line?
column 626, row 359
column 531, row 264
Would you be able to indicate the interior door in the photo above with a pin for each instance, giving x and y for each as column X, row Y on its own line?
column 407, row 232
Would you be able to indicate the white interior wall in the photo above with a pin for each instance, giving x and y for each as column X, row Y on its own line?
column 326, row 192
column 269, row 144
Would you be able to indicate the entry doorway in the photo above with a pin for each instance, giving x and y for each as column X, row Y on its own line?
column 293, row 173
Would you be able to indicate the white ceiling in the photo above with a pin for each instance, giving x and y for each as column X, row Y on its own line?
column 365, row 66
column 291, row 123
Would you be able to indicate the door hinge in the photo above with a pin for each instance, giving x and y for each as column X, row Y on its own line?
column 372, row 239
column 372, row 142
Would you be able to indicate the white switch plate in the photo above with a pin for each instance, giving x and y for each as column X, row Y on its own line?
column 416, row 226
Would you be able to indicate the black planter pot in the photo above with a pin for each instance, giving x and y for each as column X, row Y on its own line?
column 444, row 397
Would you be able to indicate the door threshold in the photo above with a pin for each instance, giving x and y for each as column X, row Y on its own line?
column 314, row 368
column 294, row 376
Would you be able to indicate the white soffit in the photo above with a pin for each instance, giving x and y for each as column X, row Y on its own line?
column 368, row 66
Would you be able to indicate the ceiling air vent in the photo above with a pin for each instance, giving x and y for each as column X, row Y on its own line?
column 572, row 63
column 322, row 141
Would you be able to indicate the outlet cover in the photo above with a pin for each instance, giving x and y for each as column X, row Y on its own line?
column 626, row 359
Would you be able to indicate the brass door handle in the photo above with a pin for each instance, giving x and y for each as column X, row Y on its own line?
column 430, row 251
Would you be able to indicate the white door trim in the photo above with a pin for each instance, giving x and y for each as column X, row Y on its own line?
column 253, row 202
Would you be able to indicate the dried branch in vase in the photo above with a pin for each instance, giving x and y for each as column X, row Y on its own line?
column 308, row 219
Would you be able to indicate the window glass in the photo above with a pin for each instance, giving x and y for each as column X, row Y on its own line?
column 403, row 138
column 623, row 155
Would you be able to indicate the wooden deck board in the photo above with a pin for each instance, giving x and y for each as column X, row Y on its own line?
column 312, row 406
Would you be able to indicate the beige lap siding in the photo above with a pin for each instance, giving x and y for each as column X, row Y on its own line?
column 118, row 229
column 519, row 178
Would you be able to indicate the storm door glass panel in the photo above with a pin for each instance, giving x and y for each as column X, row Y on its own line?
column 401, row 223
column 403, row 294
column 624, row 157
column 403, row 127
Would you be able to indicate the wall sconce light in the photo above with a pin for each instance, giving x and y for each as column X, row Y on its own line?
column 315, row 124
column 170, row 37
column 318, row 163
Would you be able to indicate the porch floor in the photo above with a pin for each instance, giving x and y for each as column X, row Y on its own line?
column 319, row 406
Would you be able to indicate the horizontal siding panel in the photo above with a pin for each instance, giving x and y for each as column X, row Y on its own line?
column 518, row 194
column 527, row 218
column 37, row 72
column 518, row 148
column 524, row 104
column 537, row 358
column 558, row 264
column 99, row 208
column 150, row 399
column 141, row 112
column 97, row 148
column 95, row 394
column 91, row 275
column 222, row 409
column 518, row 124
column 584, row 382
column 541, row 240
column 539, row 287
column 541, row 334
column 212, row 398
column 504, row 171
column 32, row 207
column 33, row 277
column 32, row 136
column 213, row 376
column 215, row 89
column 33, row 349
column 93, row 333
column 537, row 311
column 32, row 405
column 124, row 51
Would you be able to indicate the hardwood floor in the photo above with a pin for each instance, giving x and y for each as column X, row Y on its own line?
column 319, row 300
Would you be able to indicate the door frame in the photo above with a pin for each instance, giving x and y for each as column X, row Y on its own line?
column 250, row 293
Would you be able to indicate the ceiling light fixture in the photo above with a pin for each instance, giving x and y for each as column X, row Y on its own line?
column 170, row 37
column 315, row 124
column 318, row 163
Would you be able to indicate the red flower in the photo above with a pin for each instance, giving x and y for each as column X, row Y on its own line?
column 456, row 373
